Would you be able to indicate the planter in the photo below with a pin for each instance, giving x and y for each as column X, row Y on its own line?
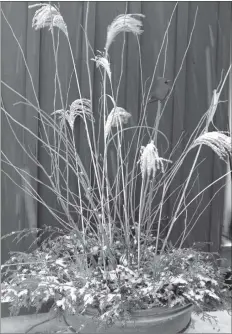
column 225, row 255
column 152, row 321
column 22, row 323
column 5, row 312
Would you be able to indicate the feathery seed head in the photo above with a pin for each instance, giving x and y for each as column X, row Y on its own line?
column 48, row 16
column 116, row 117
column 123, row 23
column 220, row 143
column 150, row 161
column 213, row 107
column 103, row 62
column 79, row 107
column 65, row 115
column 70, row 117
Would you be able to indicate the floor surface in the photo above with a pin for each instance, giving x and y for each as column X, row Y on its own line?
column 22, row 323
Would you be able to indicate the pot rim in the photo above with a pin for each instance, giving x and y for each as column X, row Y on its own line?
column 150, row 312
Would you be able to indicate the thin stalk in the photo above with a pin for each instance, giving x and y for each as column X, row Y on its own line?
column 159, row 222
column 211, row 110
column 62, row 103
column 139, row 225
column 104, row 172
column 157, row 121
column 124, row 195
column 85, row 121
column 79, row 190
column 141, row 206
column 181, row 199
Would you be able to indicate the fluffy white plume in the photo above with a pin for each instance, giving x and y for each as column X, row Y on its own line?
column 116, row 117
column 48, row 16
column 219, row 142
column 79, row 107
column 104, row 63
column 123, row 23
column 150, row 161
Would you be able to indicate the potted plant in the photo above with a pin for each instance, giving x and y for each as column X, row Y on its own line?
column 115, row 265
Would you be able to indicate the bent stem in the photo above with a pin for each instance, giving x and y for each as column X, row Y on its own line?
column 143, row 192
column 181, row 199
column 210, row 113
column 157, row 121
column 159, row 222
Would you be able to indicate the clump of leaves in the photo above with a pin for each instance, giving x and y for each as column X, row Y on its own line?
column 71, row 275
column 193, row 276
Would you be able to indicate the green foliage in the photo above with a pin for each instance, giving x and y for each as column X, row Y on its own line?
column 62, row 272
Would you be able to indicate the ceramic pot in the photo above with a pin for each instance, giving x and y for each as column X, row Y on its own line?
column 151, row 321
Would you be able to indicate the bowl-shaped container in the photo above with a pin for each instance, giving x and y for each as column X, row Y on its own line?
column 158, row 320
